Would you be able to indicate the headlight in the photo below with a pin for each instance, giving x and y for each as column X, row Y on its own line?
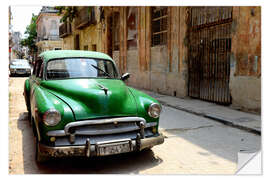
column 154, row 110
column 51, row 117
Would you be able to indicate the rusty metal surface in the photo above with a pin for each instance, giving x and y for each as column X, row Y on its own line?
column 209, row 53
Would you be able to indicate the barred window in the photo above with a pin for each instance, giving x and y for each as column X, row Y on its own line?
column 159, row 19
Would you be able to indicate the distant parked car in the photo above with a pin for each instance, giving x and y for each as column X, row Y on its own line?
column 19, row 67
column 80, row 106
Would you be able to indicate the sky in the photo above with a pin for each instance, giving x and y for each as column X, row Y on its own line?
column 21, row 17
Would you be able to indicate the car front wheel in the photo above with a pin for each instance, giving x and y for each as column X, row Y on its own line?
column 40, row 158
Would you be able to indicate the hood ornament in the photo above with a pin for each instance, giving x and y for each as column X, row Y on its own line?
column 103, row 88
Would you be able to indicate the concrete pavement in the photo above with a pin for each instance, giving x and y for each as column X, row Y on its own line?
column 242, row 120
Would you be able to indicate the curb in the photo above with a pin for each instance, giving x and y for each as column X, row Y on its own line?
column 209, row 116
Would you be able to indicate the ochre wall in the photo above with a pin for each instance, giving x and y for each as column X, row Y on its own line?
column 245, row 80
column 90, row 35
column 164, row 68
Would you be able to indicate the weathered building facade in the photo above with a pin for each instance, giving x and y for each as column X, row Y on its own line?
column 48, row 30
column 209, row 53
column 84, row 32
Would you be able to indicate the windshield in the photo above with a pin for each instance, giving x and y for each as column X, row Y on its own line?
column 80, row 68
column 21, row 63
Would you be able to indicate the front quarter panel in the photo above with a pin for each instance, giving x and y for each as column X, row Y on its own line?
column 143, row 102
column 43, row 101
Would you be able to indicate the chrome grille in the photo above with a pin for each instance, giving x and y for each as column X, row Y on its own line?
column 110, row 128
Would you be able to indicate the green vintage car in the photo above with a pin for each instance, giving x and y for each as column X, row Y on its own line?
column 79, row 106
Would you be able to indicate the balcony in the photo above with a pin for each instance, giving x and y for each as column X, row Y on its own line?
column 65, row 30
column 85, row 17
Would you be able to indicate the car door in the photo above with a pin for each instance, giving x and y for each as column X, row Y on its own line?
column 34, row 81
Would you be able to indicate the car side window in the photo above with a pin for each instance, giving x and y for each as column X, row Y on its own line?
column 38, row 64
column 41, row 70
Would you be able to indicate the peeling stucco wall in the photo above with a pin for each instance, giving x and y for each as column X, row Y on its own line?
column 245, row 78
column 89, row 36
column 164, row 68
column 160, row 68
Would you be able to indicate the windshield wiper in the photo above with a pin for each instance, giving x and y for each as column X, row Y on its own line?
column 107, row 74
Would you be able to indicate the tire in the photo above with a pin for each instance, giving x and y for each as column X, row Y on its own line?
column 30, row 118
column 40, row 158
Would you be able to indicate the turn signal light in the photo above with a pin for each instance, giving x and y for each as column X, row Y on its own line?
column 52, row 139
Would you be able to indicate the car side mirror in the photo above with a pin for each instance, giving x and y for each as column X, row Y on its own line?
column 125, row 76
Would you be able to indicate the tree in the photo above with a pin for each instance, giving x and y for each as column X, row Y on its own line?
column 68, row 13
column 31, row 33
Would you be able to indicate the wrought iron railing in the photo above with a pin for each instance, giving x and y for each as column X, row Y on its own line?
column 65, row 30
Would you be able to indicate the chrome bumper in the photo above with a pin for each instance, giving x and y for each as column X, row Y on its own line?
column 90, row 150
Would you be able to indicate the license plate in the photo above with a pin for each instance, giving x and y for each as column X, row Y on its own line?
column 113, row 148
column 20, row 71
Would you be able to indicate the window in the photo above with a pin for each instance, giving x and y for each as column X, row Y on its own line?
column 57, row 48
column 40, row 75
column 132, row 26
column 80, row 68
column 37, row 68
column 85, row 47
column 34, row 70
column 116, row 29
column 77, row 42
column 94, row 47
column 159, row 18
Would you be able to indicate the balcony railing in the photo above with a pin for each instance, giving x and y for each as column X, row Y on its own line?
column 65, row 30
column 85, row 17
column 49, row 38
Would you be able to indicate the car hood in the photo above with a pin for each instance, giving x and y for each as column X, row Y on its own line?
column 88, row 100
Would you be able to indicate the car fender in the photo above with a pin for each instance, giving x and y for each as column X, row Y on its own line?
column 26, row 93
column 43, row 100
column 143, row 102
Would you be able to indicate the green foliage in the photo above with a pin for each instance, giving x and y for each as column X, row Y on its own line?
column 31, row 33
column 68, row 13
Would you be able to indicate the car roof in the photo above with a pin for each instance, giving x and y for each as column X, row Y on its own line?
column 55, row 54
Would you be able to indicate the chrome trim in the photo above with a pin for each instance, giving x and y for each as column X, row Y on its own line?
column 52, row 110
column 56, row 133
column 105, row 132
column 87, row 149
column 113, row 141
column 72, row 138
column 59, row 133
column 150, row 142
column 148, row 110
column 151, row 124
column 142, row 126
column 102, row 121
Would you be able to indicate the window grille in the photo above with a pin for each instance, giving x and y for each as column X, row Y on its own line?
column 159, row 22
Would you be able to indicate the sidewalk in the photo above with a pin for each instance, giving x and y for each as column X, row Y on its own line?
column 224, row 114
